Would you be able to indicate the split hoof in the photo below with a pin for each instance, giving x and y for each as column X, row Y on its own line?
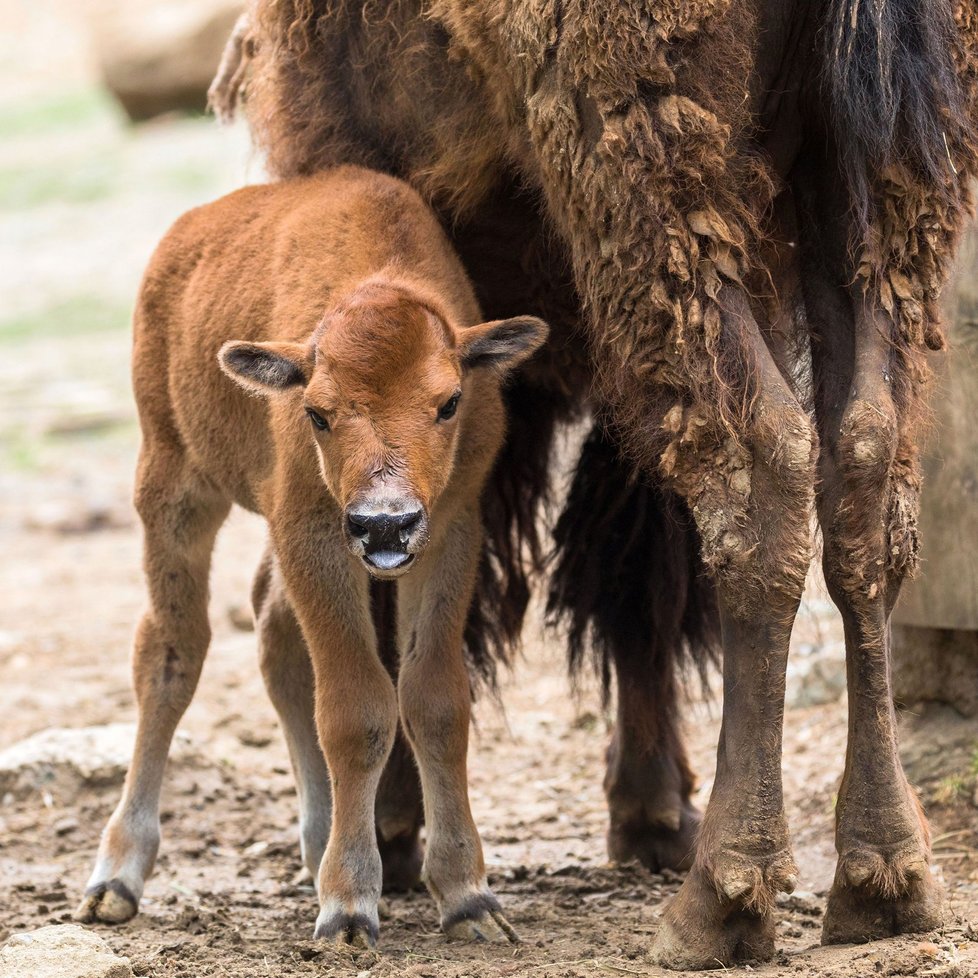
column 875, row 896
column 724, row 918
column 108, row 903
column 347, row 930
column 656, row 846
column 479, row 918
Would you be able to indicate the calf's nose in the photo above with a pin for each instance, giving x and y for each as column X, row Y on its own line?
column 383, row 531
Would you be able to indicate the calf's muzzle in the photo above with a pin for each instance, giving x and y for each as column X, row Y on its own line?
column 387, row 541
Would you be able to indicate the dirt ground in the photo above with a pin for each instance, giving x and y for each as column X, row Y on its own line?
column 83, row 198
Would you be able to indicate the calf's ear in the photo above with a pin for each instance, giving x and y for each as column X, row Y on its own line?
column 266, row 368
column 502, row 344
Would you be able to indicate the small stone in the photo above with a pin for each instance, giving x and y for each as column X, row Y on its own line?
column 69, row 517
column 64, row 826
column 157, row 58
column 817, row 678
column 241, row 617
column 254, row 738
column 60, row 951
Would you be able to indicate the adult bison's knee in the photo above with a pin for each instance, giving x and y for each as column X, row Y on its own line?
column 752, row 504
column 869, row 518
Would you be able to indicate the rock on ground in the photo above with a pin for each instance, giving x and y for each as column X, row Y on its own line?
column 158, row 57
column 62, row 761
column 816, row 675
column 60, row 951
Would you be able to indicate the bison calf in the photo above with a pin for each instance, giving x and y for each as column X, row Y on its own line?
column 339, row 302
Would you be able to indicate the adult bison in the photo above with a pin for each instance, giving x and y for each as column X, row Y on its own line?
column 736, row 216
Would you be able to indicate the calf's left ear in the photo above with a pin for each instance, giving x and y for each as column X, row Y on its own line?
column 266, row 368
column 502, row 344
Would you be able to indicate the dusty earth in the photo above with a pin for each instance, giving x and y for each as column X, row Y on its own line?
column 83, row 199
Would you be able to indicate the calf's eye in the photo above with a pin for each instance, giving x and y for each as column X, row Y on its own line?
column 317, row 420
column 448, row 409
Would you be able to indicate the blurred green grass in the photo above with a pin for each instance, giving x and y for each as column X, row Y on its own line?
column 27, row 186
column 73, row 316
column 66, row 110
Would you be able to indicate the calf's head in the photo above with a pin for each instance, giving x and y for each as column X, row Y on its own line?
column 387, row 383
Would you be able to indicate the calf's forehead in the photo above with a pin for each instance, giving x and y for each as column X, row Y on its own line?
column 378, row 351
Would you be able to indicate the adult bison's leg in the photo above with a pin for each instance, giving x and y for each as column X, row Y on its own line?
column 648, row 780
column 629, row 580
column 867, row 504
column 867, row 507
column 723, row 912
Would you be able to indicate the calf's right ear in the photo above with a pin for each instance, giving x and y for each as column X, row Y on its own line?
column 266, row 368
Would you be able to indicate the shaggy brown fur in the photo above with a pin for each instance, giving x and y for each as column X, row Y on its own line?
column 680, row 151
column 338, row 300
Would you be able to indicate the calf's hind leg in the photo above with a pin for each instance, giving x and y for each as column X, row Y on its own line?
column 181, row 514
column 398, row 813
column 287, row 671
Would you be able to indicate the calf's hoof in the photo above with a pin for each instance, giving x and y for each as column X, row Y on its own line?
column 478, row 918
column 347, row 929
column 655, row 845
column 108, row 903
column 877, row 894
column 724, row 917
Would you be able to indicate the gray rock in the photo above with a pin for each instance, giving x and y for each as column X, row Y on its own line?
column 816, row 675
column 62, row 761
column 159, row 57
column 60, row 951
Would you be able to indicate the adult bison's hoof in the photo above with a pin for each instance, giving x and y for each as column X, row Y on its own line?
column 654, row 845
column 108, row 903
column 402, row 858
column 878, row 894
column 651, row 818
column 347, row 929
column 724, row 917
column 478, row 918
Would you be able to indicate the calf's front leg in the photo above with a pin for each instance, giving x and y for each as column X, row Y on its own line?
column 435, row 698
column 356, row 715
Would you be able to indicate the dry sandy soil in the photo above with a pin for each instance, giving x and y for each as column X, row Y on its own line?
column 83, row 199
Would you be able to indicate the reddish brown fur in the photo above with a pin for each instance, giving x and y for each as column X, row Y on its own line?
column 337, row 295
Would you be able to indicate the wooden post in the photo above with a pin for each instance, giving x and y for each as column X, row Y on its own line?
column 935, row 623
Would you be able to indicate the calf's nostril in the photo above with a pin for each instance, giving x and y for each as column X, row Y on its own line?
column 357, row 525
column 407, row 523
